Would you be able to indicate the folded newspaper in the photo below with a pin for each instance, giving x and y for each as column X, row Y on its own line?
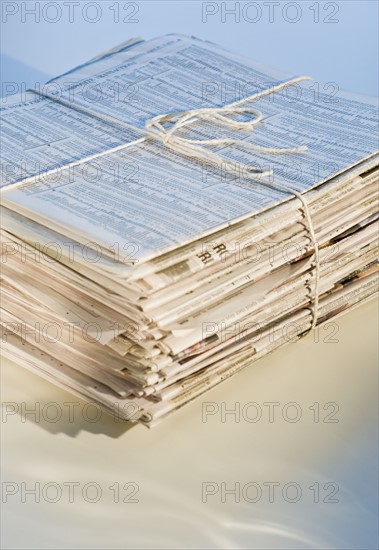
column 171, row 212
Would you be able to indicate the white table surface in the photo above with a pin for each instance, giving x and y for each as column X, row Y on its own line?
column 171, row 463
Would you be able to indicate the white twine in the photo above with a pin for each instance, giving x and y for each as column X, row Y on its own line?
column 197, row 150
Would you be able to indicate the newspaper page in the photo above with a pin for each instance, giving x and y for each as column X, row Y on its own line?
column 151, row 196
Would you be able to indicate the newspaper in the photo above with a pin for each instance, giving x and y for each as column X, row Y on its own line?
column 162, row 275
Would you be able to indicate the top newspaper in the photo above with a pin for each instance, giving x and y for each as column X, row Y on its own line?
column 144, row 195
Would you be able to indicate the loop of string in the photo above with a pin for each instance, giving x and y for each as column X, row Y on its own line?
column 197, row 149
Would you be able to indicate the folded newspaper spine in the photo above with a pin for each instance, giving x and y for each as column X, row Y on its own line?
column 154, row 255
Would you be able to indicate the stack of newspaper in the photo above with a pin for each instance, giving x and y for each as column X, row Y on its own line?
column 138, row 277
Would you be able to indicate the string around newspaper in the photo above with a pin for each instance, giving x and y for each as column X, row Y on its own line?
column 197, row 150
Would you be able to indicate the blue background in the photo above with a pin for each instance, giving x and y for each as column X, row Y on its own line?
column 341, row 47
